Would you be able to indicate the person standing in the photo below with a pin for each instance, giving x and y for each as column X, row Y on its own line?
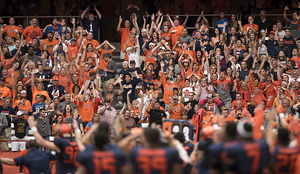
column 11, row 29
column 50, row 42
column 32, row 31
column 156, row 114
column 108, row 113
column 3, row 124
column 9, row 113
column 110, row 71
column 20, row 125
column 221, row 22
column 91, row 24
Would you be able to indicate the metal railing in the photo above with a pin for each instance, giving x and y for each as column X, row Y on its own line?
column 27, row 18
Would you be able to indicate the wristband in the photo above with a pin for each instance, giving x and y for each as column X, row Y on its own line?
column 33, row 129
column 78, row 131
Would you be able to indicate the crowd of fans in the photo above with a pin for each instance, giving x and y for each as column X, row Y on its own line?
column 226, row 83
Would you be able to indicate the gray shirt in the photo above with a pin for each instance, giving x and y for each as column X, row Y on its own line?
column 34, row 59
column 111, row 65
column 44, row 125
column 112, row 96
column 62, row 105
column 3, row 124
column 294, row 29
column 187, row 39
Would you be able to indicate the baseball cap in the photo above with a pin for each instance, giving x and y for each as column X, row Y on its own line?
column 209, row 96
column 151, row 83
column 176, row 19
column 73, row 38
column 19, row 113
column 162, row 48
column 54, row 78
column 132, row 61
column 23, row 92
column 272, row 32
column 2, row 79
column 50, row 32
column 185, row 60
column 169, row 77
column 125, row 63
column 151, row 43
column 92, row 73
column 107, row 101
column 54, row 18
column 107, row 54
column 175, row 97
column 244, row 129
column 144, row 30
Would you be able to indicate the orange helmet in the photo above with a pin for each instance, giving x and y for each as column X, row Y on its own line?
column 65, row 131
column 207, row 132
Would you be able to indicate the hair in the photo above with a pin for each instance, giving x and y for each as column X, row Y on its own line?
column 127, row 74
column 104, row 127
column 56, row 119
column 180, row 137
column 230, row 130
column 31, row 144
column 95, row 114
column 152, row 136
column 65, row 110
column 75, row 86
column 73, row 111
column 100, row 139
column 283, row 136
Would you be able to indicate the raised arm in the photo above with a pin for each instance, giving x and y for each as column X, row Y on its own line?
column 98, row 13
column 84, row 12
column 284, row 14
column 119, row 24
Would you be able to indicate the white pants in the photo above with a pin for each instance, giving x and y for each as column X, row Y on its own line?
column 18, row 145
column 122, row 55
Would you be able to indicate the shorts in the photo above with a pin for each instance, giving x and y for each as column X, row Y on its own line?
column 18, row 145
column 3, row 144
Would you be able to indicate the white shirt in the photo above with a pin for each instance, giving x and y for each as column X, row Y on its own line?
column 134, row 56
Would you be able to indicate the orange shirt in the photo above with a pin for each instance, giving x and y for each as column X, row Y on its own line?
column 63, row 81
column 9, row 76
column 54, row 127
column 90, row 54
column 150, row 58
column 31, row 33
column 7, row 63
column 168, row 89
column 76, row 102
column 87, row 111
column 36, row 92
column 93, row 42
column 210, row 109
column 297, row 60
column 24, row 168
column 176, row 112
column 207, row 121
column 124, row 35
column 247, row 27
column 72, row 50
column 11, row 31
column 102, row 63
column 25, row 108
column 51, row 44
column 4, row 92
column 174, row 33
column 225, row 85
column 16, row 102
column 86, row 74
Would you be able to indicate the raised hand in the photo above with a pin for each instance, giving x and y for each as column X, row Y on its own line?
column 286, row 8
column 120, row 18
column 129, row 92
column 73, row 20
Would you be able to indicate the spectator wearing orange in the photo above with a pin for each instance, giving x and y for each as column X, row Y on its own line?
column 6, row 60
column 87, row 105
column 106, row 45
column 11, row 29
column 50, row 42
column 251, row 25
column 168, row 85
column 89, row 39
column 4, row 91
column 37, row 89
column 32, row 31
column 85, row 70
column 240, row 112
column 131, row 41
column 238, row 96
column 212, row 105
column 13, row 73
column 23, row 108
column 175, row 109
column 175, row 31
column 124, row 32
column 73, row 48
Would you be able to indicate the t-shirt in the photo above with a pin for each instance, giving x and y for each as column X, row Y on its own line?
column 44, row 125
column 102, row 62
column 185, row 93
column 220, row 24
column 112, row 96
column 11, row 31
column 174, row 33
column 71, row 50
column 7, row 112
column 51, row 44
column 31, row 33
column 36, row 92
column 176, row 112
column 25, row 109
column 9, row 76
column 124, row 35
column 87, row 111
column 4, row 92
column 20, row 126
column 56, row 91
column 111, row 65
column 36, row 107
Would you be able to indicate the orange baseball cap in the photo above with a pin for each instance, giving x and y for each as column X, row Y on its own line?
column 54, row 78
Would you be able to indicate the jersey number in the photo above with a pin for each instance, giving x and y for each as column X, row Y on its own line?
column 101, row 164
column 284, row 160
column 156, row 163
column 72, row 151
column 255, row 154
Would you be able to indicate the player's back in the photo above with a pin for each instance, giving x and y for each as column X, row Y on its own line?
column 217, row 154
column 67, row 158
column 285, row 159
column 154, row 160
column 251, row 157
column 109, row 161
column 186, row 168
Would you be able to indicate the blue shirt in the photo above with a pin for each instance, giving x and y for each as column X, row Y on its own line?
column 189, row 147
column 95, row 25
column 219, row 24
column 129, row 86
column 248, row 155
column 67, row 158
column 289, row 155
column 109, row 161
column 36, row 161
column 53, row 91
column 51, row 28
column 154, row 160
column 36, row 107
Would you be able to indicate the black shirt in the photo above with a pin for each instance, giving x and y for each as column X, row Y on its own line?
column 192, row 106
column 156, row 116
column 20, row 127
column 7, row 112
